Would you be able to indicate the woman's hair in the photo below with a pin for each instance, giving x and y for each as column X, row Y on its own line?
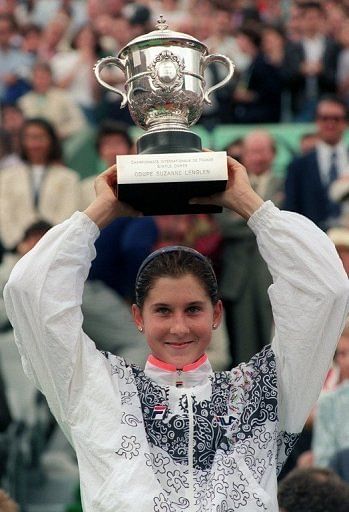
column 96, row 47
column 55, row 151
column 175, row 261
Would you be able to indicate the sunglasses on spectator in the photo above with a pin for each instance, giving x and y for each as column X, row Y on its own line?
column 335, row 119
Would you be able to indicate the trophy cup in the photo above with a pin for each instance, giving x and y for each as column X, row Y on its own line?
column 164, row 90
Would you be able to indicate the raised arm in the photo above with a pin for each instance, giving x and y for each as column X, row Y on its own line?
column 309, row 294
column 43, row 299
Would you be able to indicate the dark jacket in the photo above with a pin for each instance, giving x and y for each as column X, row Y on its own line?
column 305, row 193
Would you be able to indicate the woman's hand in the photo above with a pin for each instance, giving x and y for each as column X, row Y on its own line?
column 106, row 207
column 238, row 195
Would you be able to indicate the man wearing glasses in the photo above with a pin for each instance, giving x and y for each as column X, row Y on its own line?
column 310, row 176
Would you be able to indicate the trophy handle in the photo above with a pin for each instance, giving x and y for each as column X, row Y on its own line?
column 227, row 63
column 121, row 64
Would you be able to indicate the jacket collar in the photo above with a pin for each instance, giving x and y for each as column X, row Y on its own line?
column 191, row 375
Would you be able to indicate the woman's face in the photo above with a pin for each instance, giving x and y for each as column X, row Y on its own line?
column 36, row 143
column 177, row 319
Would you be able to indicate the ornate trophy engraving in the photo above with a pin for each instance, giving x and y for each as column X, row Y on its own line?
column 165, row 93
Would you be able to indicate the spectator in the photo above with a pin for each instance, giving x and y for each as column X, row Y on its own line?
column 313, row 490
column 73, row 70
column 14, row 64
column 257, row 95
column 234, row 148
column 12, row 120
column 244, row 276
column 310, row 176
column 53, row 38
column 312, row 62
column 31, row 41
column 112, row 139
column 343, row 63
column 7, row 156
column 21, row 394
column 47, row 101
column 40, row 187
column 222, row 40
column 331, row 427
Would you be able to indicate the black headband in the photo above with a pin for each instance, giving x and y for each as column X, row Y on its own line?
column 174, row 248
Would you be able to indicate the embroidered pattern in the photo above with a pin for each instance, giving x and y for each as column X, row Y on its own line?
column 235, row 441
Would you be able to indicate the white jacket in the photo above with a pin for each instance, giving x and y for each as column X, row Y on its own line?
column 217, row 443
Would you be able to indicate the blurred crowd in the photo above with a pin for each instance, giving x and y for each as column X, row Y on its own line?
column 292, row 66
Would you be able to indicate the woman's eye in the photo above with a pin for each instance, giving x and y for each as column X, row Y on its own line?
column 162, row 310
column 193, row 309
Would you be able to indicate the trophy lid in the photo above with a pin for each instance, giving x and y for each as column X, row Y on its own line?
column 163, row 34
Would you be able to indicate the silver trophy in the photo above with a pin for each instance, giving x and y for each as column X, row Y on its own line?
column 165, row 93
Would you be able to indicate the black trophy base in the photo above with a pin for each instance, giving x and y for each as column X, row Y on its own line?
column 169, row 198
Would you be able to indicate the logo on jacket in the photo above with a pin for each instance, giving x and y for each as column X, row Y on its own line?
column 159, row 412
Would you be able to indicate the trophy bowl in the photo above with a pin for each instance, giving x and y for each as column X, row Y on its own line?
column 165, row 88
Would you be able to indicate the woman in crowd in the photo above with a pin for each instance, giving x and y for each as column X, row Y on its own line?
column 38, row 187
column 177, row 436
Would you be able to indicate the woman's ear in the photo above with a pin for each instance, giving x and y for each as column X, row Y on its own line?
column 217, row 314
column 137, row 317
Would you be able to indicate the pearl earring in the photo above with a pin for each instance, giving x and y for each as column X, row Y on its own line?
column 140, row 329
column 214, row 326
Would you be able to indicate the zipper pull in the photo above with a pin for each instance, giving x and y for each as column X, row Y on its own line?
column 179, row 380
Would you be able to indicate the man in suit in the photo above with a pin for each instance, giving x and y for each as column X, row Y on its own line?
column 244, row 278
column 310, row 63
column 310, row 176
column 257, row 94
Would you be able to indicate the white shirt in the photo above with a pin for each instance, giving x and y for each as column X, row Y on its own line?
column 314, row 48
column 324, row 156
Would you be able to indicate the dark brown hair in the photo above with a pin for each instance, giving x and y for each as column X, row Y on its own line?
column 175, row 261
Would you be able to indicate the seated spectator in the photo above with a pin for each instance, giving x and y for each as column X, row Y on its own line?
column 342, row 76
column 257, row 95
column 73, row 70
column 244, row 278
column 7, row 156
column 39, row 187
column 12, row 120
column 112, row 139
column 14, row 64
column 313, row 490
column 21, row 394
column 311, row 62
column 234, row 148
column 51, row 103
column 310, row 176
column 331, row 427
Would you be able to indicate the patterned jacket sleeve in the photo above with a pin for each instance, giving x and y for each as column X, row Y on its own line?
column 43, row 299
column 309, row 297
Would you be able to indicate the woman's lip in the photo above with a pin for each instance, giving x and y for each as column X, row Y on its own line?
column 178, row 344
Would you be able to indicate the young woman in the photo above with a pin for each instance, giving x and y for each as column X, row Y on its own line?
column 176, row 436
column 39, row 186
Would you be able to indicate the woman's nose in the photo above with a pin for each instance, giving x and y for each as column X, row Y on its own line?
column 179, row 326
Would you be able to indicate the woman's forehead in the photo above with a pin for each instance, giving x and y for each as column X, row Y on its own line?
column 184, row 286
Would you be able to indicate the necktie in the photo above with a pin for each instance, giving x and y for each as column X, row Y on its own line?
column 333, row 171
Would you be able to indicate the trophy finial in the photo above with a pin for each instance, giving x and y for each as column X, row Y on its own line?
column 161, row 23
